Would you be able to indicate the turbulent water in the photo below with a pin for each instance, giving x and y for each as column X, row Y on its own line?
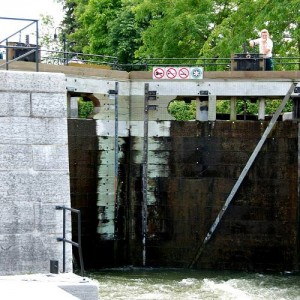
column 155, row 284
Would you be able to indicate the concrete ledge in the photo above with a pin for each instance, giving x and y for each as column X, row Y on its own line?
column 233, row 75
column 66, row 286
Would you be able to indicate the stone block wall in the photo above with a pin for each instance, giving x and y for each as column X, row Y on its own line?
column 34, row 171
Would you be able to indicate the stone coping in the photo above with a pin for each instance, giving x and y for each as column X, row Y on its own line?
column 65, row 286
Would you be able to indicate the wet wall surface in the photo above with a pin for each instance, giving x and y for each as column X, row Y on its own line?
column 83, row 145
column 198, row 165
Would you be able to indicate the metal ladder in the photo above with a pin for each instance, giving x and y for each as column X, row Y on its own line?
column 242, row 175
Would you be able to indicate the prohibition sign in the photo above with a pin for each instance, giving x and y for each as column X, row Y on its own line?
column 158, row 73
column 183, row 73
column 171, row 73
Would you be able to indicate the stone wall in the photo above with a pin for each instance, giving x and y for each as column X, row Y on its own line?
column 34, row 171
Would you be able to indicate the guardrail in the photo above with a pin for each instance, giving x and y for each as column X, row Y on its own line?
column 31, row 48
column 209, row 64
column 34, row 53
column 65, row 240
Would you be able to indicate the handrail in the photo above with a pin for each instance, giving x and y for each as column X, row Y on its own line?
column 33, row 21
column 19, row 57
column 65, row 240
column 143, row 63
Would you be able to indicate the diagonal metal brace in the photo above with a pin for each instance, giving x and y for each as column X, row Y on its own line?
column 242, row 175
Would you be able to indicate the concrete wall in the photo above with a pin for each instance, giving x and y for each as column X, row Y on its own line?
column 34, row 171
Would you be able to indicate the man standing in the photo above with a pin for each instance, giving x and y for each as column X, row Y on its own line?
column 265, row 47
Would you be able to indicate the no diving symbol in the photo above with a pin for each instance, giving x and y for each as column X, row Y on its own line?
column 158, row 73
column 183, row 73
column 171, row 73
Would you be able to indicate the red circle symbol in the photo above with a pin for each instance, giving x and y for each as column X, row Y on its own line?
column 158, row 73
column 171, row 73
column 183, row 73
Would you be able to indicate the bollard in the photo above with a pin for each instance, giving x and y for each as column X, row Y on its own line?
column 54, row 266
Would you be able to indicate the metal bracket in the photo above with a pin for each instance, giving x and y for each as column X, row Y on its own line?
column 112, row 92
column 152, row 95
column 71, row 89
column 204, row 93
column 152, row 107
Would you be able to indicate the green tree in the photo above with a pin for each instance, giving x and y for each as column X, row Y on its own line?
column 134, row 29
column 177, row 28
column 182, row 111
column 281, row 18
column 85, row 108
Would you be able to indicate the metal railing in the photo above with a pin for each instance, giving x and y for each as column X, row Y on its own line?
column 34, row 53
column 29, row 49
column 209, row 64
column 65, row 240
column 71, row 58
column 77, row 58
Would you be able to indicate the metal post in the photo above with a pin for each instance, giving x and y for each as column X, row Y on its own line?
column 116, row 153
column 145, row 171
column 64, row 239
column 37, row 47
column 116, row 181
column 6, row 54
column 65, row 48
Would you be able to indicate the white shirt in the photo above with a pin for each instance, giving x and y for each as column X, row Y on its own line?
column 264, row 46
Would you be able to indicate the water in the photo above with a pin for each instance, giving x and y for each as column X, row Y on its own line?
column 156, row 284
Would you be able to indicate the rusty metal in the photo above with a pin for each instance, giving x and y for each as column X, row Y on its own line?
column 116, row 96
column 242, row 175
column 144, row 175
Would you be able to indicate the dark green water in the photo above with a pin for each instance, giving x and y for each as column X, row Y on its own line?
column 155, row 284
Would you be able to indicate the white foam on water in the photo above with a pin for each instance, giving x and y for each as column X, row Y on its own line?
column 226, row 290
column 199, row 286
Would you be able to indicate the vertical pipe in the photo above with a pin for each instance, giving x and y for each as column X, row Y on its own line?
column 6, row 54
column 37, row 47
column 144, row 176
column 116, row 181
column 64, row 239
column 116, row 144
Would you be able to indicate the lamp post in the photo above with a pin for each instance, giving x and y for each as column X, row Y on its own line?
column 64, row 41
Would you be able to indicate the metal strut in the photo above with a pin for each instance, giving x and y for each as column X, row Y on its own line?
column 145, row 173
column 242, row 175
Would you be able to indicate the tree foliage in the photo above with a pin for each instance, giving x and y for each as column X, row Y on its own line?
column 182, row 111
column 133, row 29
column 85, row 108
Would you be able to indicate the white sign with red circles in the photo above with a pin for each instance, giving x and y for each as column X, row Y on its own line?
column 172, row 73
column 158, row 73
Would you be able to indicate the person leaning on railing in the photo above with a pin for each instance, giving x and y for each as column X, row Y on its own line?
column 265, row 47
